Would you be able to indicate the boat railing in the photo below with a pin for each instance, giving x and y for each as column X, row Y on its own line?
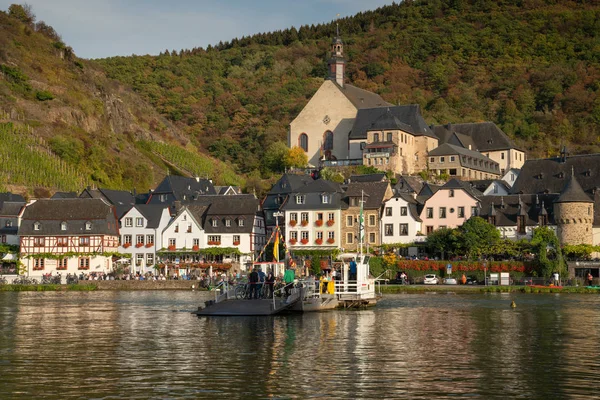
column 311, row 287
column 378, row 281
column 280, row 293
column 222, row 291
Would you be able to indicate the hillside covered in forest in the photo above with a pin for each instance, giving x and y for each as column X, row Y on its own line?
column 530, row 66
column 64, row 124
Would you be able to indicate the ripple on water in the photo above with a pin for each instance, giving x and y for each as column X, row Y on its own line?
column 115, row 345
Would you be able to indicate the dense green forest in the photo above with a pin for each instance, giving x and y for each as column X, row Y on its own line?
column 530, row 66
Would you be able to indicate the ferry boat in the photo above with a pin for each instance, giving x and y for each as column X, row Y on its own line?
column 351, row 290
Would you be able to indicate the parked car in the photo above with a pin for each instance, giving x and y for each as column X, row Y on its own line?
column 472, row 280
column 431, row 279
column 450, row 281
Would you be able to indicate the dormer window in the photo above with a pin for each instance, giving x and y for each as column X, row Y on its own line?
column 214, row 223
column 63, row 226
column 8, row 223
column 240, row 222
column 88, row 226
column 228, row 223
column 300, row 199
column 325, row 198
column 37, row 226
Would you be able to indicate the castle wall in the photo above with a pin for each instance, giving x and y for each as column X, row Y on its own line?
column 574, row 222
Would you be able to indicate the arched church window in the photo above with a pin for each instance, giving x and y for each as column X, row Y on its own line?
column 303, row 141
column 328, row 140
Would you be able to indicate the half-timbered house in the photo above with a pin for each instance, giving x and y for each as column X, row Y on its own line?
column 68, row 235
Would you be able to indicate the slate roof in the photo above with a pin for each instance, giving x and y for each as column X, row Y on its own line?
column 409, row 116
column 447, row 149
column 64, row 195
column 312, row 193
column 361, row 98
column 7, row 196
column 506, row 208
column 181, row 186
column 75, row 212
column 114, row 197
column 152, row 213
column 550, row 175
column 289, row 183
column 427, row 191
column 408, row 184
column 485, row 135
column 573, row 193
column 374, row 193
column 466, row 186
column 319, row 186
column 11, row 208
column 368, row 178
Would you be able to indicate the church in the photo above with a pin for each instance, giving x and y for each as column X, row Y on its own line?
column 345, row 125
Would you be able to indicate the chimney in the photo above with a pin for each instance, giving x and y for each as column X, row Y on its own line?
column 563, row 154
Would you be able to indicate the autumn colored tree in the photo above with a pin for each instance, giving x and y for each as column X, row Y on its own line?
column 296, row 158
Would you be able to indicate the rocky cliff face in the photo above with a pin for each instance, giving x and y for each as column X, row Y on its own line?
column 61, row 98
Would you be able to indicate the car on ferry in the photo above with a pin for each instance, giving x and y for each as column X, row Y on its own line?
column 431, row 279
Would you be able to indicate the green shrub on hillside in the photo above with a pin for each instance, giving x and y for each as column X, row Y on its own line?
column 43, row 95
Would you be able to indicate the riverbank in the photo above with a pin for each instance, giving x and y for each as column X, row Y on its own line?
column 105, row 285
column 385, row 289
column 391, row 289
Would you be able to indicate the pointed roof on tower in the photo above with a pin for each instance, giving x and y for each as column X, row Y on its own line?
column 572, row 192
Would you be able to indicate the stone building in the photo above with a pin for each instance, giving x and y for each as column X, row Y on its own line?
column 392, row 138
column 486, row 138
column 322, row 127
column 577, row 177
column 459, row 162
column 574, row 214
column 373, row 195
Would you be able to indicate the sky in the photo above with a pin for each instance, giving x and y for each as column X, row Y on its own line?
column 104, row 28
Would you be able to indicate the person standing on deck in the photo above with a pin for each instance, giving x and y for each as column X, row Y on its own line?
column 288, row 280
column 270, row 281
column 353, row 270
column 253, row 282
column 261, row 280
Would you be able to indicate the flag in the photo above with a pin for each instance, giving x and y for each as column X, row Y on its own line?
column 276, row 247
column 361, row 222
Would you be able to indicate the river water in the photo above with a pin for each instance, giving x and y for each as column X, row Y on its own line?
column 140, row 345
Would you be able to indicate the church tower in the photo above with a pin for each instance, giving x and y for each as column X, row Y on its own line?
column 574, row 214
column 337, row 63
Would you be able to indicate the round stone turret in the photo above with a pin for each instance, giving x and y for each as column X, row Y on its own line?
column 574, row 214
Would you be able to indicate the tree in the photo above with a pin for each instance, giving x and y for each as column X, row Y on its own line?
column 547, row 251
column 478, row 238
column 23, row 13
column 296, row 158
column 331, row 175
column 274, row 158
column 443, row 240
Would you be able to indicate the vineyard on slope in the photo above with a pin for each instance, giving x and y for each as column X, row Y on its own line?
column 26, row 161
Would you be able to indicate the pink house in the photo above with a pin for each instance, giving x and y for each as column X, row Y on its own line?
column 450, row 206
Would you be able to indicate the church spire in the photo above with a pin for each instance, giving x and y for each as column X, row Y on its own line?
column 337, row 63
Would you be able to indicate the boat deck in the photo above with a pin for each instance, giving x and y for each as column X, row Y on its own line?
column 243, row 307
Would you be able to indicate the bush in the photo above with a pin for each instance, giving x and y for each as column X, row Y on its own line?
column 43, row 95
